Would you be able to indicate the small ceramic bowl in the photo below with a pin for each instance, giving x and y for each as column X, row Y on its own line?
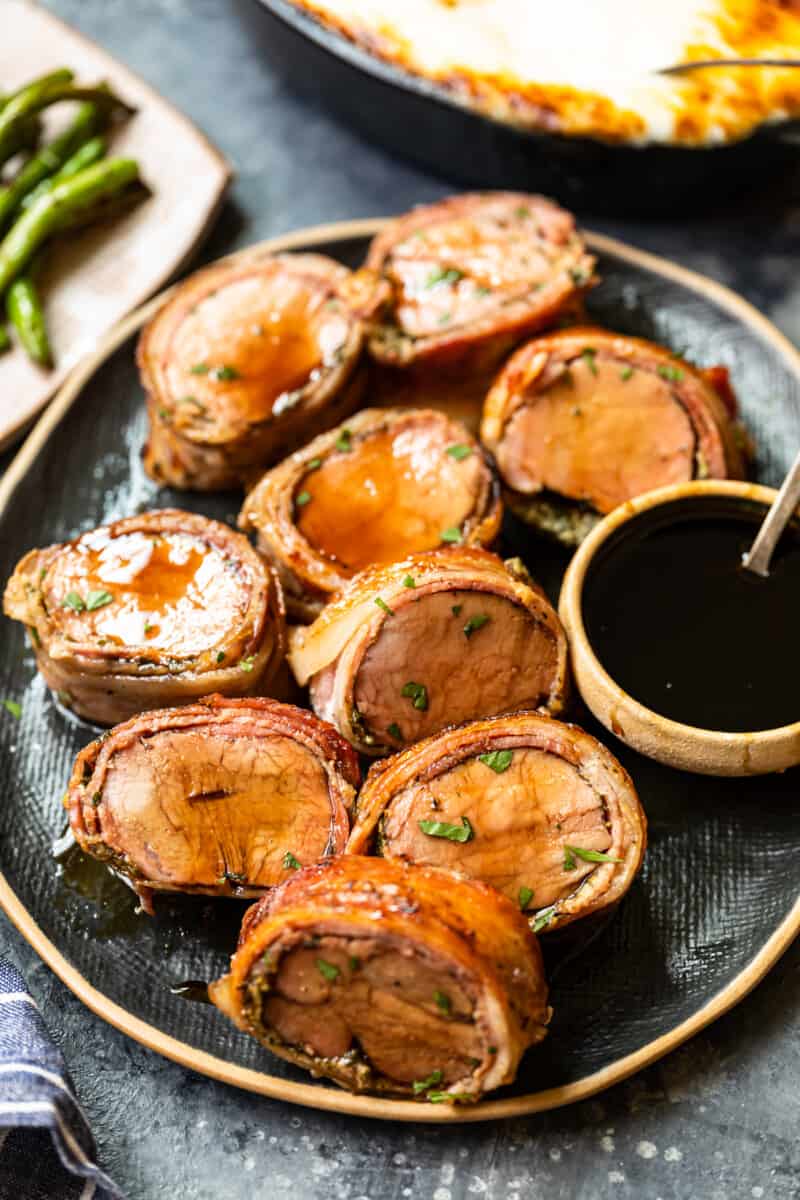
column 704, row 751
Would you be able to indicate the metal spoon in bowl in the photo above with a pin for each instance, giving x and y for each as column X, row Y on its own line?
column 782, row 509
column 702, row 64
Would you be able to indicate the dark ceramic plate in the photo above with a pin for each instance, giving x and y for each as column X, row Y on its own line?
column 423, row 120
column 716, row 903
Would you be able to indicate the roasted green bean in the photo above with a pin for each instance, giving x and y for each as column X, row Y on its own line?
column 48, row 159
column 26, row 314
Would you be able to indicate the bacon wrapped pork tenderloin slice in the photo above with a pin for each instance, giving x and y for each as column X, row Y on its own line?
column 226, row 797
column 435, row 639
column 243, row 360
column 388, row 483
column 583, row 420
column 156, row 609
column 473, row 274
column 535, row 807
column 390, row 978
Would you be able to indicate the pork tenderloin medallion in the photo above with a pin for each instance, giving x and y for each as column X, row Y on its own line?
column 243, row 360
column 390, row 482
column 433, row 640
column 389, row 978
column 535, row 807
column 471, row 275
column 156, row 609
column 225, row 797
column 582, row 420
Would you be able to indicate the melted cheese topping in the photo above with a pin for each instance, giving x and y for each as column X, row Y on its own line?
column 582, row 67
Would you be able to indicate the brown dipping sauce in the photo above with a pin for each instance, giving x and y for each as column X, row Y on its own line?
column 678, row 623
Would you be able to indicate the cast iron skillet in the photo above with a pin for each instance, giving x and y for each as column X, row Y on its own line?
column 416, row 118
column 717, row 900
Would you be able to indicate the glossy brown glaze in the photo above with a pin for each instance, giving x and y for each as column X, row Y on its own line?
column 539, row 799
column 227, row 797
column 381, row 486
column 470, row 275
column 591, row 419
column 152, row 609
column 389, row 978
column 430, row 641
column 241, row 358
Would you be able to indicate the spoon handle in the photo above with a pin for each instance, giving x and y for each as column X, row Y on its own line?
column 758, row 557
column 703, row 64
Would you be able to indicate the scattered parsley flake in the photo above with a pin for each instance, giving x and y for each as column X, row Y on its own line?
column 74, row 601
column 97, row 600
column 220, row 656
column 246, row 664
column 290, row 863
column 443, row 1002
column 545, row 918
column 395, row 731
column 409, row 581
column 422, row 1085
column 475, row 623
column 456, row 609
column 588, row 354
column 625, row 374
column 459, row 453
column 315, row 464
column 525, row 896
column 381, row 603
column 448, row 1097
column 200, row 369
column 417, row 693
column 344, row 441
column 448, row 275
column 452, row 833
column 451, row 534
column 498, row 760
column 594, row 856
column 673, row 374
column 302, row 498
column 224, row 372
column 328, row 970
column 354, row 962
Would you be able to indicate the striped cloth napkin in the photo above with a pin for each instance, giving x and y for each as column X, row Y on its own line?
column 47, row 1151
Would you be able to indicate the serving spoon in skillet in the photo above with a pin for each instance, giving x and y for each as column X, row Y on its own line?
column 703, row 64
column 758, row 557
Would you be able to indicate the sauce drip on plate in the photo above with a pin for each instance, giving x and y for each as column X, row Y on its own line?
column 679, row 624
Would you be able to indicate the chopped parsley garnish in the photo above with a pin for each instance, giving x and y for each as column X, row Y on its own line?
column 354, row 962
column 290, row 863
column 444, row 318
column 545, row 918
column 200, row 369
column 224, row 372
column 578, row 275
column 445, row 1097
column 522, row 212
column 451, row 534
column 673, row 374
column 344, row 441
column 588, row 354
column 417, row 693
column 74, row 601
column 220, row 656
column 447, row 275
column 442, row 1001
column 459, row 453
column 625, row 374
column 422, row 1085
column 13, row 707
column 453, row 833
column 246, row 664
column 98, row 600
column 481, row 290
column 96, row 798
column 456, row 609
column 525, row 896
column 302, row 498
column 381, row 603
column 498, row 760
column 409, row 581
column 328, row 970
column 315, row 464
column 475, row 623
column 395, row 731
column 594, row 856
